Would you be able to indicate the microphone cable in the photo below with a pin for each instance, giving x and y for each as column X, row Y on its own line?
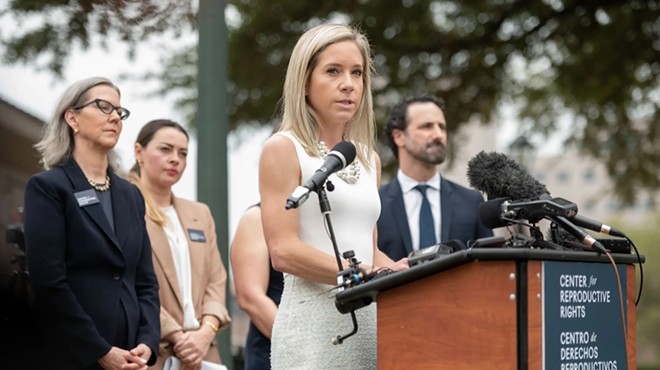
column 622, row 311
column 641, row 271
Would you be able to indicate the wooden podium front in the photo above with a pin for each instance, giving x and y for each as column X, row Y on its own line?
column 461, row 319
column 478, row 309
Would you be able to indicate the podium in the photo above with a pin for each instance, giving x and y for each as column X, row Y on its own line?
column 505, row 308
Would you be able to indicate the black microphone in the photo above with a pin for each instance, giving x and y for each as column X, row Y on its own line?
column 492, row 215
column 339, row 157
column 500, row 177
column 597, row 226
column 582, row 236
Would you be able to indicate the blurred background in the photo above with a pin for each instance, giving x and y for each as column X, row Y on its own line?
column 568, row 88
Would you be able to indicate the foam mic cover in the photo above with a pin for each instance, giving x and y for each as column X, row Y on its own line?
column 490, row 213
column 500, row 177
column 345, row 149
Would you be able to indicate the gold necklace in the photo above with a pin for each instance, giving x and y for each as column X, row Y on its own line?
column 350, row 174
column 101, row 187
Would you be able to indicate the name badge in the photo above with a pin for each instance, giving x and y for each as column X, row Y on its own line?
column 197, row 235
column 86, row 198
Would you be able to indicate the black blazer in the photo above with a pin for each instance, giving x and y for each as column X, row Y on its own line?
column 458, row 212
column 81, row 269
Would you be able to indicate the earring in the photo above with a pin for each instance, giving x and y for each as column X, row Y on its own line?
column 140, row 163
column 75, row 131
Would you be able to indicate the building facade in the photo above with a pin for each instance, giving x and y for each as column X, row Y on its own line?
column 19, row 131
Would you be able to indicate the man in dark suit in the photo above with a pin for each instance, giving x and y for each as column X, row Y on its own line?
column 416, row 132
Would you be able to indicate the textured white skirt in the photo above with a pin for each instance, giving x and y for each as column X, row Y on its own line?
column 307, row 321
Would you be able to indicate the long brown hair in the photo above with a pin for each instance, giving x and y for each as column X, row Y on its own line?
column 144, row 137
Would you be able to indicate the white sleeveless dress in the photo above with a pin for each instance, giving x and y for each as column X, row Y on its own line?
column 307, row 319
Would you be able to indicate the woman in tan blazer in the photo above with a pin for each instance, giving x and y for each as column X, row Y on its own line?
column 188, row 266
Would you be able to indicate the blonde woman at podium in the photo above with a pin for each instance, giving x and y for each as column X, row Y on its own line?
column 326, row 100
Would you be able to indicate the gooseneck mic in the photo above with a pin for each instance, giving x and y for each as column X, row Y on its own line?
column 501, row 177
column 339, row 157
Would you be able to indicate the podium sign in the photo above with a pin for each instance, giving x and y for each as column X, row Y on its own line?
column 505, row 309
column 582, row 325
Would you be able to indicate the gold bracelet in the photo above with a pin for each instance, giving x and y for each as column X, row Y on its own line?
column 213, row 327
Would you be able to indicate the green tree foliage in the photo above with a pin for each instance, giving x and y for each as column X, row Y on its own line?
column 648, row 315
column 49, row 28
column 596, row 60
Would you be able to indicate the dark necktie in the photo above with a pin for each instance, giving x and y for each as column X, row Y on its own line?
column 426, row 223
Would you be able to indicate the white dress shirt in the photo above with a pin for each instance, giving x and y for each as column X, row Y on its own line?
column 181, row 256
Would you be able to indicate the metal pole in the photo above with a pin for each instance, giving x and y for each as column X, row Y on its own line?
column 212, row 129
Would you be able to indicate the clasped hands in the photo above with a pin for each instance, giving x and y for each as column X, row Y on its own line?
column 191, row 346
column 118, row 358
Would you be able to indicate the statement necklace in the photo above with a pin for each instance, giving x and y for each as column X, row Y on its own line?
column 101, row 187
column 350, row 174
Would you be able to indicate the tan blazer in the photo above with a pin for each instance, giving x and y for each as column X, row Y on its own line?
column 208, row 275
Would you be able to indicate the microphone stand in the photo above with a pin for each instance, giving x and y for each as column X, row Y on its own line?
column 343, row 276
column 324, row 204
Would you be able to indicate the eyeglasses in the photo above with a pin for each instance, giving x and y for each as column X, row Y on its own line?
column 106, row 107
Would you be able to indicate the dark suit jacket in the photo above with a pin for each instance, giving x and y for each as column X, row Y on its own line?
column 459, row 213
column 80, row 268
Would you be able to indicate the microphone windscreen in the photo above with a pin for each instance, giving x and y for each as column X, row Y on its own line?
column 500, row 177
column 490, row 213
column 347, row 149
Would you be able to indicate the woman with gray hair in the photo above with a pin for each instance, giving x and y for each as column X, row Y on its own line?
column 88, row 251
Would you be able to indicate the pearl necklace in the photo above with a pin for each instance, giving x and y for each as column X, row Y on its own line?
column 350, row 174
column 101, row 187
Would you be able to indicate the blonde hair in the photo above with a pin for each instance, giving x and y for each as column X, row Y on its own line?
column 299, row 117
column 56, row 145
